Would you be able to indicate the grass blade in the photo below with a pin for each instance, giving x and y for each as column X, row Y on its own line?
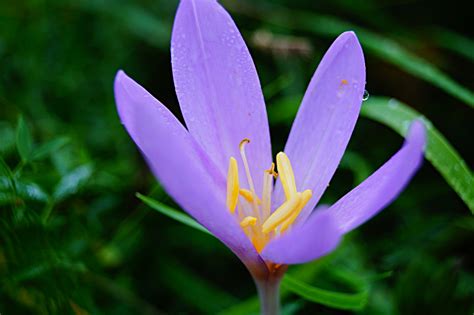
column 455, row 42
column 439, row 152
column 339, row 300
column 172, row 213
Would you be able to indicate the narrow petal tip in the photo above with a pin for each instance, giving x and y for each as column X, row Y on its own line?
column 417, row 134
column 120, row 78
column 349, row 38
column 349, row 35
column 382, row 187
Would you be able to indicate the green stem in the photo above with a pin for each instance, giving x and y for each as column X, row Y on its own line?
column 269, row 294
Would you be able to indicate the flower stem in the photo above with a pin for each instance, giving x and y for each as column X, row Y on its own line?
column 269, row 294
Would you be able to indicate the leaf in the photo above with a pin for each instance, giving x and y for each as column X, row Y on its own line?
column 36, row 269
column 7, row 198
column 4, row 169
column 7, row 134
column 455, row 42
column 339, row 300
column 72, row 182
column 23, row 140
column 47, row 148
column 31, row 191
column 439, row 151
column 292, row 308
column 172, row 213
column 276, row 86
column 135, row 19
column 284, row 109
column 25, row 190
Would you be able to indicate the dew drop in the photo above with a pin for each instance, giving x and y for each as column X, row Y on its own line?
column 366, row 95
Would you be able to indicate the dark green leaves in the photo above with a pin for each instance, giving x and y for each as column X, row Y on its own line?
column 72, row 182
column 24, row 142
column 25, row 146
column 47, row 148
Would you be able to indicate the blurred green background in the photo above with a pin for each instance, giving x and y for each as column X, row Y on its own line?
column 74, row 237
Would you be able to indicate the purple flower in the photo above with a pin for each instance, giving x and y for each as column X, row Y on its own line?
column 219, row 169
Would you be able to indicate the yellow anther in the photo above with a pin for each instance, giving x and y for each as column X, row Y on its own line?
column 287, row 177
column 305, row 197
column 232, row 185
column 248, row 195
column 248, row 221
column 282, row 213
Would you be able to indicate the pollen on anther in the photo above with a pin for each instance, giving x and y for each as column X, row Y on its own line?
column 232, row 185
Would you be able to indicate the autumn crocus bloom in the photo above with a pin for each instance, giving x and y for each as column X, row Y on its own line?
column 219, row 167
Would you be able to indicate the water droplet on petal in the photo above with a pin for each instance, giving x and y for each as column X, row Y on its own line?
column 366, row 95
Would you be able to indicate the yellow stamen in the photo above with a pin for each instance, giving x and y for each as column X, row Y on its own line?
column 282, row 213
column 247, row 194
column 248, row 221
column 254, row 214
column 232, row 185
column 287, row 176
column 305, row 197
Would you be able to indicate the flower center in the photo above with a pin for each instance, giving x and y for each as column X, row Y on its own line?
column 254, row 213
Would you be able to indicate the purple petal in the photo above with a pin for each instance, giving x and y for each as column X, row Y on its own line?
column 182, row 167
column 326, row 118
column 315, row 238
column 218, row 88
column 377, row 191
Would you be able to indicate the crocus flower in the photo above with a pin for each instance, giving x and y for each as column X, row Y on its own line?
column 219, row 167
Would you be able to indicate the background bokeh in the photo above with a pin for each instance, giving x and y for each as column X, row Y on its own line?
column 74, row 237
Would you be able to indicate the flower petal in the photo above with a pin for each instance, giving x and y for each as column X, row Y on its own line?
column 315, row 238
column 218, row 88
column 377, row 191
column 326, row 118
column 180, row 164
